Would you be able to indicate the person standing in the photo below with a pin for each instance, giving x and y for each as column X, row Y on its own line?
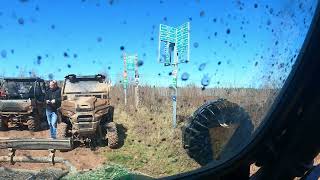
column 53, row 102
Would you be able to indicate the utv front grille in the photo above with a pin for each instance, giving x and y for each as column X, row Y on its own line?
column 13, row 109
column 85, row 118
column 84, row 109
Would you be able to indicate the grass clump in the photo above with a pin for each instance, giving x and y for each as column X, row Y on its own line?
column 105, row 172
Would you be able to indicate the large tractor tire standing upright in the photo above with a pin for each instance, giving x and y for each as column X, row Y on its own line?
column 216, row 130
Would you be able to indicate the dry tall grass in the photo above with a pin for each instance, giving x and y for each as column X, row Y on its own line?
column 151, row 142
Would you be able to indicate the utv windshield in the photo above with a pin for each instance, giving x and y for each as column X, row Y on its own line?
column 19, row 90
column 15, row 89
column 83, row 87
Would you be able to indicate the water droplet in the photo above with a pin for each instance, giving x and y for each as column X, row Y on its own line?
column 65, row 54
column 202, row 13
column 185, row 76
column 21, row 21
column 195, row 45
column 99, row 39
column 140, row 63
column 269, row 22
column 111, row 2
column 3, row 53
column 202, row 66
column 205, row 81
column 50, row 76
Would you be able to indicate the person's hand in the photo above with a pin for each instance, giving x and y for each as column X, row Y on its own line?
column 53, row 101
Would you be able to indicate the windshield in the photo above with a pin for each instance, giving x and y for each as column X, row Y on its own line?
column 82, row 87
column 18, row 89
column 191, row 81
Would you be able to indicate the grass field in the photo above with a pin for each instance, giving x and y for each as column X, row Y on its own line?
column 150, row 144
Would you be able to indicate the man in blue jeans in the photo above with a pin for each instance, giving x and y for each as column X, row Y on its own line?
column 53, row 102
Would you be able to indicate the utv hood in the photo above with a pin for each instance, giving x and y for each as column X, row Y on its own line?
column 85, row 103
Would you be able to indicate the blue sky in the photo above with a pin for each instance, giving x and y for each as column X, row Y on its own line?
column 260, row 48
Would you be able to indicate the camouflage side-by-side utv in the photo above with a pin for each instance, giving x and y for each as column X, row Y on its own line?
column 22, row 102
column 86, row 113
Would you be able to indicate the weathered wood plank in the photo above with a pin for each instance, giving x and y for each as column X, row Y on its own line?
column 36, row 144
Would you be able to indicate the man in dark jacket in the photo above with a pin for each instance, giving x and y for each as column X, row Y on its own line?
column 53, row 102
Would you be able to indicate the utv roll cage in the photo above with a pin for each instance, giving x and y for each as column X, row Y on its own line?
column 74, row 78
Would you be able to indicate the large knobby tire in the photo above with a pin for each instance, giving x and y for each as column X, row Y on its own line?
column 33, row 124
column 196, row 136
column 62, row 130
column 112, row 135
column 3, row 125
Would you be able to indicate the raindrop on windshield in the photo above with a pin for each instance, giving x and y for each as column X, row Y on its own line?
column 21, row 21
column 3, row 53
column 202, row 66
column 195, row 45
column 50, row 76
column 205, row 81
column 185, row 76
column 202, row 13
column 65, row 54
column 140, row 63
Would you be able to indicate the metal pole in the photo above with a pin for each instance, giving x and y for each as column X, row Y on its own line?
column 175, row 89
column 125, row 96
column 174, row 110
column 125, row 78
column 136, row 82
